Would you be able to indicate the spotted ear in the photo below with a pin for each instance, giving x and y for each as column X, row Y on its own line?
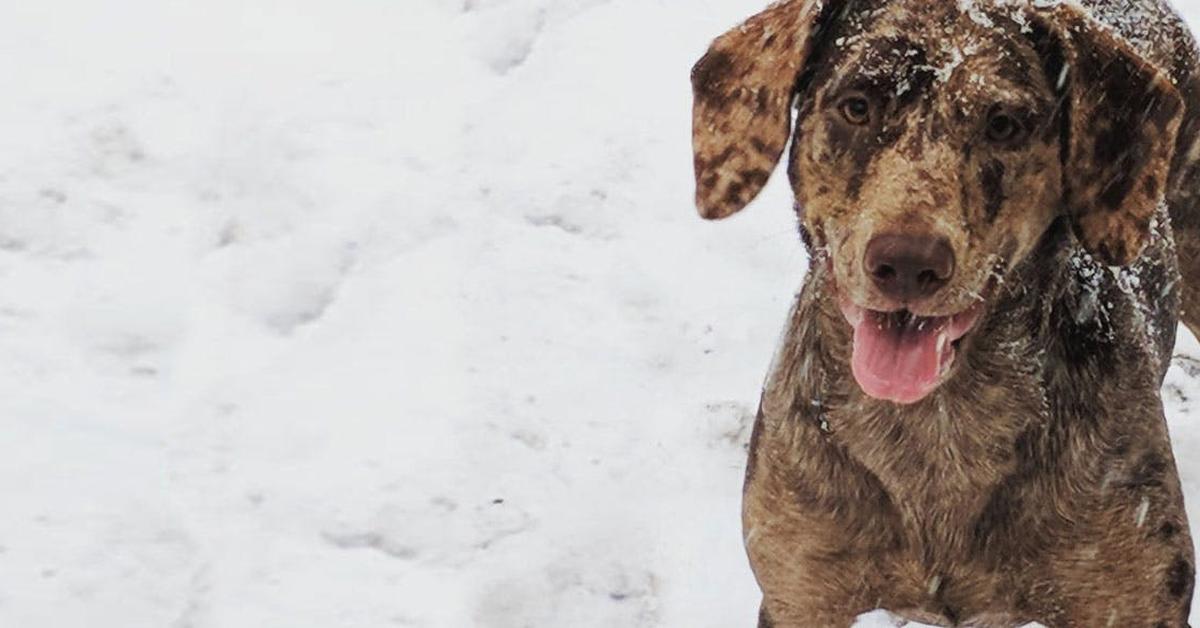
column 1120, row 135
column 743, row 90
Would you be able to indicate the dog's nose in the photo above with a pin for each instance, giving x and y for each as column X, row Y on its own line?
column 909, row 267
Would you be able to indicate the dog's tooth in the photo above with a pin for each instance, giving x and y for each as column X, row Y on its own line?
column 945, row 354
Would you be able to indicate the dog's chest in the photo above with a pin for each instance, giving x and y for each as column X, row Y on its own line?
column 908, row 533
column 940, row 464
column 959, row 594
column 943, row 473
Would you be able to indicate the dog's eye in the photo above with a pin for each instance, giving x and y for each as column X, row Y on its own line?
column 1002, row 127
column 855, row 109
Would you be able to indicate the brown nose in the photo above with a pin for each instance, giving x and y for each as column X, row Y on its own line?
column 909, row 267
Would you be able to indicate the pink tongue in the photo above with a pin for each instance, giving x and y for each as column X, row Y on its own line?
column 900, row 363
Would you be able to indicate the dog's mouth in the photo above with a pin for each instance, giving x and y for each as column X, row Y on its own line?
column 901, row 357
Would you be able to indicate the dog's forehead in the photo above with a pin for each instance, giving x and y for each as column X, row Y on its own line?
column 940, row 33
column 959, row 44
column 937, row 19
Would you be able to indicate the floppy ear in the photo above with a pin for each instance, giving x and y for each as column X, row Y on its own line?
column 1120, row 135
column 743, row 90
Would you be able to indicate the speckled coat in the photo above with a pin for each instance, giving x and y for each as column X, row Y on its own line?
column 1037, row 483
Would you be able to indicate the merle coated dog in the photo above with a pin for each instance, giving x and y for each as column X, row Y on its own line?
column 963, row 424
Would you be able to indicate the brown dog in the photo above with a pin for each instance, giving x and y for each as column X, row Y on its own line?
column 963, row 424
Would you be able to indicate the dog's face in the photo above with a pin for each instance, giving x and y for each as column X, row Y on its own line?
column 925, row 162
column 932, row 148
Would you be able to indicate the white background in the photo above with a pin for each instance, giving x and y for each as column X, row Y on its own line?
column 379, row 313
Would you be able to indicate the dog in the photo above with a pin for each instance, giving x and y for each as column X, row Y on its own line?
column 963, row 423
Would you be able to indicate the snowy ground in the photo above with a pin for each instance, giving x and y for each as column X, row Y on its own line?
column 378, row 313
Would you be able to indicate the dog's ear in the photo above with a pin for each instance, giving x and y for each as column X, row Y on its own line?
column 743, row 90
column 1120, row 129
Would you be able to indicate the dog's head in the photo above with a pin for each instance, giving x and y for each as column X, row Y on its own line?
column 933, row 145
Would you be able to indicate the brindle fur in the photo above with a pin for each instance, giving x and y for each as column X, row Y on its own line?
column 1037, row 483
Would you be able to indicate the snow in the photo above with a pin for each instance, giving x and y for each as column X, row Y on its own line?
column 380, row 314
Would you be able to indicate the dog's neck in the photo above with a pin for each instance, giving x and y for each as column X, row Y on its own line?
column 942, row 458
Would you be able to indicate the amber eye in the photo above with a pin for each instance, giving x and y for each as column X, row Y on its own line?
column 855, row 109
column 1002, row 127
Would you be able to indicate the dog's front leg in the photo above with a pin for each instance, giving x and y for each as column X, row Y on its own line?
column 791, row 616
column 1133, row 567
column 809, row 575
column 815, row 568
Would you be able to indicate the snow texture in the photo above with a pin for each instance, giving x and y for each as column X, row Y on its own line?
column 373, row 313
